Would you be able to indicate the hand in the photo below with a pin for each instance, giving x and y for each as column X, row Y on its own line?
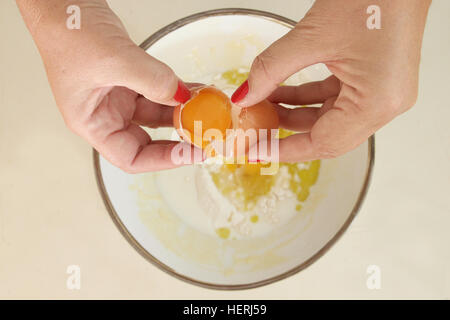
column 375, row 75
column 104, row 85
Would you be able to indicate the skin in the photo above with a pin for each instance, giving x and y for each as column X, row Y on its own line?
column 375, row 74
column 104, row 85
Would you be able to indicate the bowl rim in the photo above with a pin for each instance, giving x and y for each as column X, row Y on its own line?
column 149, row 257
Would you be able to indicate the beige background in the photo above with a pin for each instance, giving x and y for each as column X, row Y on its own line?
column 51, row 214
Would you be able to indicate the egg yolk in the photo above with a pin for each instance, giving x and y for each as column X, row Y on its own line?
column 211, row 108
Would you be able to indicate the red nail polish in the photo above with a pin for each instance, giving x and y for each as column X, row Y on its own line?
column 240, row 92
column 183, row 94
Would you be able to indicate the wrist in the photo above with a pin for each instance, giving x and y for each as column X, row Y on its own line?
column 39, row 14
column 51, row 15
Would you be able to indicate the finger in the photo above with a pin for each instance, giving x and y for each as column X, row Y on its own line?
column 283, row 58
column 132, row 150
column 151, row 78
column 151, row 114
column 155, row 115
column 192, row 85
column 308, row 93
column 142, row 137
column 299, row 119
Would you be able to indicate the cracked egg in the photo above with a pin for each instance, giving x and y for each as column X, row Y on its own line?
column 210, row 121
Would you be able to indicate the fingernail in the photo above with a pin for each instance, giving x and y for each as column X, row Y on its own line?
column 240, row 92
column 183, row 94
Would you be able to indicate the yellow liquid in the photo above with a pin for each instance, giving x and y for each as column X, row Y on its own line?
column 223, row 233
column 243, row 182
column 254, row 218
column 234, row 77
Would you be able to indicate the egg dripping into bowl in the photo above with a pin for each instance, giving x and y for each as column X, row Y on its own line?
column 210, row 121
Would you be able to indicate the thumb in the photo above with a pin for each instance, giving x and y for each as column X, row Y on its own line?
column 152, row 78
column 283, row 58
